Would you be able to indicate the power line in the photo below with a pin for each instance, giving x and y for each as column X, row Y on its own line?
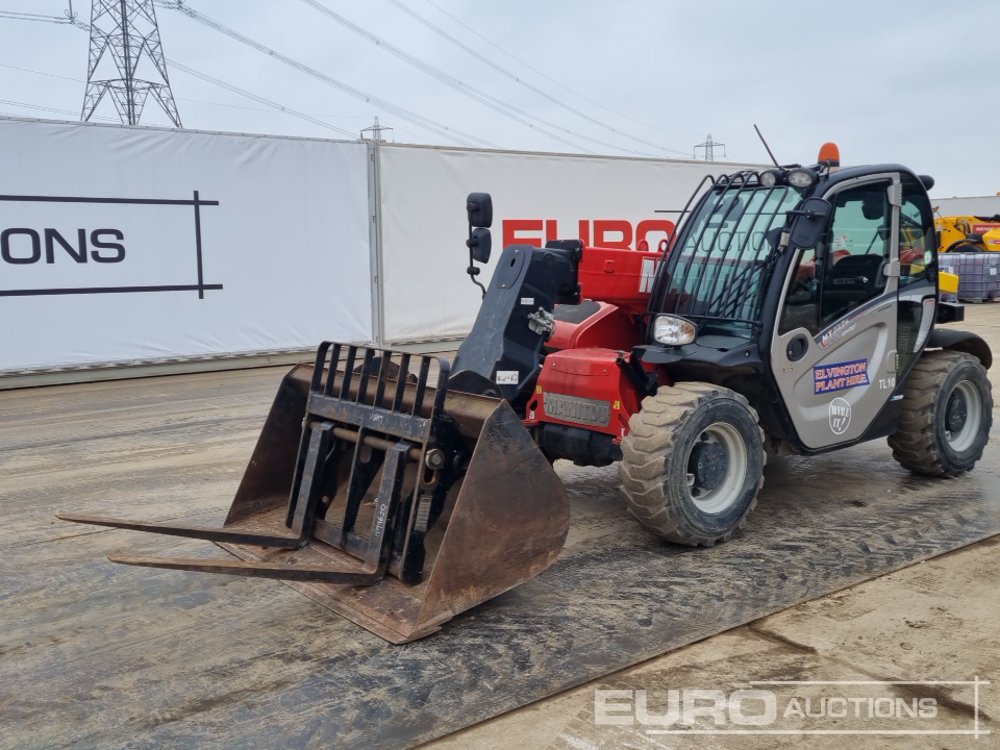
column 42, row 73
column 520, row 81
column 17, row 16
column 544, row 75
column 55, row 110
column 503, row 108
column 68, row 16
column 260, row 99
column 411, row 117
column 185, row 69
column 426, row 123
column 208, row 79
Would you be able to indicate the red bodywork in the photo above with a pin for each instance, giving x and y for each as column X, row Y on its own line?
column 583, row 358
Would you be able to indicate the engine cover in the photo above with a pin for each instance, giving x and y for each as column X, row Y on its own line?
column 584, row 388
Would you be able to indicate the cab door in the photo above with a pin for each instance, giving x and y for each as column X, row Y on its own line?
column 833, row 351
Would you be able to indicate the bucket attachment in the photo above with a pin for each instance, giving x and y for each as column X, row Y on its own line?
column 394, row 503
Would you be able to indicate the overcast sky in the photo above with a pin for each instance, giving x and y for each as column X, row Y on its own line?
column 913, row 82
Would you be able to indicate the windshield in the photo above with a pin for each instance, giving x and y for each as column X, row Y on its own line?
column 715, row 271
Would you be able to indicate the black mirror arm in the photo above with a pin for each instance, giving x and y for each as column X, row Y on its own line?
column 807, row 213
column 473, row 269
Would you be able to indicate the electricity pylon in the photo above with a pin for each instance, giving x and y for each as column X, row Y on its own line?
column 126, row 61
column 709, row 146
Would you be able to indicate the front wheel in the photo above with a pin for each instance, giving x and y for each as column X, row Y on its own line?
column 947, row 414
column 693, row 462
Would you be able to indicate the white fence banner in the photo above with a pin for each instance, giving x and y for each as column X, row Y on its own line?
column 133, row 244
column 607, row 201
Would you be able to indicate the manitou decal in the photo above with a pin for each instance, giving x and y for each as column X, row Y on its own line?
column 621, row 234
column 59, row 245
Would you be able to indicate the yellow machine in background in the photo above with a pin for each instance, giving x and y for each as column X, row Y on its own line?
column 968, row 234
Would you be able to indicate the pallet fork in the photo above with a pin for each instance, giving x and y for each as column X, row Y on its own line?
column 394, row 503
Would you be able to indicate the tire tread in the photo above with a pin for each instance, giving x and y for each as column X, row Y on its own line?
column 645, row 451
column 914, row 445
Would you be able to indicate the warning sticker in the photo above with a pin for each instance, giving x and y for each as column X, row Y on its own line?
column 508, row 377
column 840, row 375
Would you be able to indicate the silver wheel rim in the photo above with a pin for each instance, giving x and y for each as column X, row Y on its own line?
column 722, row 497
column 963, row 438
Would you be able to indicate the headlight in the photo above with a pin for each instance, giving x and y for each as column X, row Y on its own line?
column 801, row 178
column 769, row 178
column 673, row 331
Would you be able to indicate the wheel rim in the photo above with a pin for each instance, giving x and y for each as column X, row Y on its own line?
column 716, row 467
column 963, row 416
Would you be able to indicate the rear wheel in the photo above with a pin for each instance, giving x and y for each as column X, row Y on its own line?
column 947, row 413
column 692, row 464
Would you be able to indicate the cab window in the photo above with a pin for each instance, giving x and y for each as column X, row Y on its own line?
column 851, row 264
column 858, row 252
column 917, row 241
column 917, row 251
column 801, row 301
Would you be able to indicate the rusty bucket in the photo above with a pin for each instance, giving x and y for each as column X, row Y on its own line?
column 392, row 501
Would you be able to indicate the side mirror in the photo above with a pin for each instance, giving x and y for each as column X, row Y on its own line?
column 810, row 222
column 480, row 244
column 480, row 209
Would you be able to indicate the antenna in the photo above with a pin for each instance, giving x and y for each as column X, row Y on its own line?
column 127, row 29
column 761, row 136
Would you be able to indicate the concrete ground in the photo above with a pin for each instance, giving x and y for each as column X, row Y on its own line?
column 933, row 622
column 93, row 654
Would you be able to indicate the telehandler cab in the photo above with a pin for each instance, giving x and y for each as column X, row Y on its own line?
column 780, row 320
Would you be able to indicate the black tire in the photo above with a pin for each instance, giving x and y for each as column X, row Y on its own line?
column 693, row 463
column 947, row 414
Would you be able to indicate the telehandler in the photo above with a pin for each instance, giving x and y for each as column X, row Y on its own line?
column 968, row 234
column 400, row 490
